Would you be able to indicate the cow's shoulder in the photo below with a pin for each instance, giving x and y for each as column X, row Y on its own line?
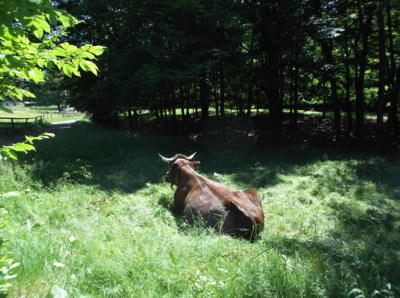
column 252, row 195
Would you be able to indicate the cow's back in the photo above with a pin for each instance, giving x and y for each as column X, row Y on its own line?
column 237, row 213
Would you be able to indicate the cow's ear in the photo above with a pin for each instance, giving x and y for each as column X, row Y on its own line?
column 195, row 164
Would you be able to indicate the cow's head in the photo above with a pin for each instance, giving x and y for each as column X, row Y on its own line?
column 176, row 163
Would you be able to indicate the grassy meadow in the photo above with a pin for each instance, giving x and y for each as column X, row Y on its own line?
column 20, row 111
column 92, row 218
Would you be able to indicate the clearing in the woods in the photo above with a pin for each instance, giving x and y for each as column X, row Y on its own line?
column 89, row 215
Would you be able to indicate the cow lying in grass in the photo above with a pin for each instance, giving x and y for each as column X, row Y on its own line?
column 236, row 213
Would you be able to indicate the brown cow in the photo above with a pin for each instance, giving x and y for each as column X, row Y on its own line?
column 236, row 213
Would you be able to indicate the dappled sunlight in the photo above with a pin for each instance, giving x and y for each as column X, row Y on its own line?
column 331, row 220
column 333, row 210
column 257, row 177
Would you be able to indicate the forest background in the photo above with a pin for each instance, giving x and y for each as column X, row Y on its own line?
column 176, row 61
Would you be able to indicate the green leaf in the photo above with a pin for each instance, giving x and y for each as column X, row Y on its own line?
column 65, row 45
column 17, row 93
column 21, row 59
column 87, row 55
column 52, row 17
column 36, row 75
column 29, row 139
column 59, row 52
column 49, row 64
column 4, row 109
column 9, row 153
column 86, row 47
column 69, row 48
column 76, row 72
column 97, row 50
column 24, row 147
column 28, row 93
column 43, row 24
column 93, row 68
column 38, row 32
column 68, row 69
column 45, row 135
column 83, row 64
column 41, row 62
column 60, row 64
column 66, row 20
column 49, row 134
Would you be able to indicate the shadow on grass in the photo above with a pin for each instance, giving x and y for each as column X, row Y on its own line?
column 122, row 161
column 386, row 178
column 362, row 249
column 365, row 267
column 117, row 160
column 364, row 244
column 112, row 160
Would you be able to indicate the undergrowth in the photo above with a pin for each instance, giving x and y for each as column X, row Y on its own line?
column 92, row 218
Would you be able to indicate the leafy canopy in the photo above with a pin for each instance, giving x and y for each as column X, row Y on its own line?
column 31, row 34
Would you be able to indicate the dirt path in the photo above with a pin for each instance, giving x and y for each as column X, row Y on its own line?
column 61, row 125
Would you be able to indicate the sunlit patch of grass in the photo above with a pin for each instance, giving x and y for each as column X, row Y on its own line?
column 21, row 111
column 93, row 218
column 58, row 118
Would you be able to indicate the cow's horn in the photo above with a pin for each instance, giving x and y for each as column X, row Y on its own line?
column 166, row 159
column 191, row 156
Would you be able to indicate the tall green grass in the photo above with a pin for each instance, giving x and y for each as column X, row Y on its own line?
column 93, row 218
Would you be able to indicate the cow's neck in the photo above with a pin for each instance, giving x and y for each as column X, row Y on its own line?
column 187, row 180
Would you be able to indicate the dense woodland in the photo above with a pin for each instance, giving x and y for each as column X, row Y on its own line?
column 266, row 61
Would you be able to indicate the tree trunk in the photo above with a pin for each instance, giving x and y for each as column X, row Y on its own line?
column 327, row 48
column 215, row 95
column 182, row 99
column 382, row 67
column 172, row 101
column 249, row 99
column 324, row 100
column 196, row 107
column 257, row 100
column 271, row 42
column 291, row 92
column 393, row 121
column 348, row 83
column 161, row 109
column 157, row 115
column 272, row 91
column 272, row 87
column 130, row 117
column 187, row 103
column 394, row 81
column 136, row 118
column 204, row 102
column 240, row 99
column 222, row 90
column 362, row 58
column 392, row 66
column 295, row 94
